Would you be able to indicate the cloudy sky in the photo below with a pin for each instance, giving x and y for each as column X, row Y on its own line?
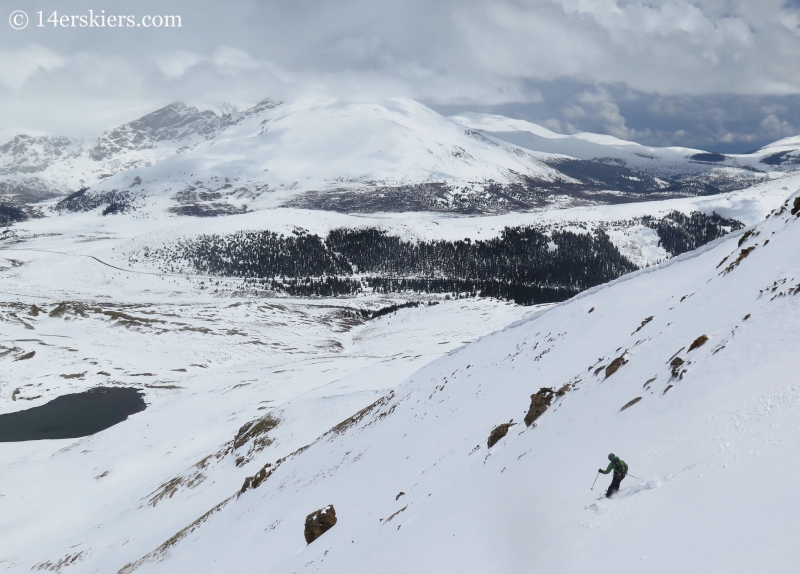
column 716, row 74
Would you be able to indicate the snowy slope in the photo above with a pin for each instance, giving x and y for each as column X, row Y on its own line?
column 712, row 442
column 212, row 357
column 323, row 145
column 207, row 367
column 662, row 161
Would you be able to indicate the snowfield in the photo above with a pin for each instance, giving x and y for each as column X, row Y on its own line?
column 263, row 408
column 354, row 412
column 711, row 439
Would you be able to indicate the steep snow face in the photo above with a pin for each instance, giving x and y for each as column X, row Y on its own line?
column 687, row 371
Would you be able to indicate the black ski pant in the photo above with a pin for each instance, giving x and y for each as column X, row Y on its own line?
column 614, row 484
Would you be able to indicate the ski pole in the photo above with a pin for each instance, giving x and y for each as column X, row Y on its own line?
column 632, row 476
column 595, row 481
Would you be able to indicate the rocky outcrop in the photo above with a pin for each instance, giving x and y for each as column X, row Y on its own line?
column 699, row 342
column 615, row 365
column 677, row 370
column 497, row 433
column 319, row 522
column 630, row 403
column 27, row 154
column 174, row 122
column 539, row 403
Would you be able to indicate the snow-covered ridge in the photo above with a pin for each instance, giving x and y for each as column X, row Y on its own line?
column 663, row 161
column 352, row 156
column 63, row 165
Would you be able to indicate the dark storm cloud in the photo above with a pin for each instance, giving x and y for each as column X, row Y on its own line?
column 663, row 71
column 729, row 123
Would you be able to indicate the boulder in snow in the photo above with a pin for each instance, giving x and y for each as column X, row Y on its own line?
column 319, row 522
column 498, row 432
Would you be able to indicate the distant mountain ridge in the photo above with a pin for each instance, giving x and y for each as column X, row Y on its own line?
column 36, row 166
column 396, row 155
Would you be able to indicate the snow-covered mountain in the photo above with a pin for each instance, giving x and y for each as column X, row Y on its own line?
column 665, row 161
column 351, row 156
column 687, row 370
column 33, row 167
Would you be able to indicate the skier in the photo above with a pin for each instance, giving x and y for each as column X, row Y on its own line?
column 620, row 469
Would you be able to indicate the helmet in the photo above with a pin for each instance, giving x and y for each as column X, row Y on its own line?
column 612, row 456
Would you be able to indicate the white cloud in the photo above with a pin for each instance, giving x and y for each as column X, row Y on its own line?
column 16, row 66
column 233, row 59
column 175, row 64
column 465, row 53
column 669, row 47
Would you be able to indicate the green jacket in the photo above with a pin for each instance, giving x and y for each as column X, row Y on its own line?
column 622, row 469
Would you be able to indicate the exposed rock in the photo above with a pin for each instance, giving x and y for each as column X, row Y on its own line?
column 174, row 122
column 630, row 403
column 395, row 514
column 319, row 522
column 539, row 403
column 255, row 433
column 27, row 154
column 745, row 237
column 645, row 322
column 259, row 477
column 498, row 432
column 699, row 342
column 796, row 206
column 615, row 365
column 742, row 255
column 67, row 308
column 676, row 364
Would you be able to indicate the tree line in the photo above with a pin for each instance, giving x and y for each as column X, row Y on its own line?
column 524, row 264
